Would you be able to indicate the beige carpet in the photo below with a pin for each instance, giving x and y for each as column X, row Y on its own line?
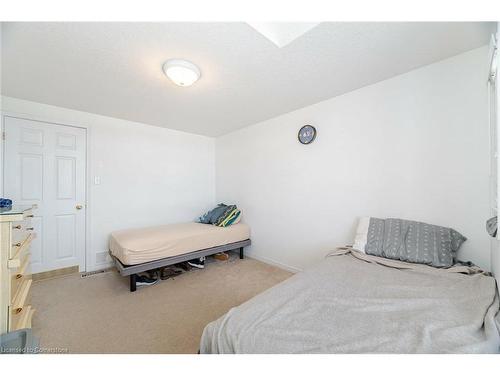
column 98, row 314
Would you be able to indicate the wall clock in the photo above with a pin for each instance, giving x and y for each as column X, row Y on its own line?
column 307, row 134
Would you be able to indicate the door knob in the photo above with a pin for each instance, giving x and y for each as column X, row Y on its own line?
column 79, row 206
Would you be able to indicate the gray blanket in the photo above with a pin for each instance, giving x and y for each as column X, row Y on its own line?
column 357, row 303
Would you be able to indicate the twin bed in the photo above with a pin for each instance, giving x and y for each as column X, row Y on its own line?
column 357, row 303
column 139, row 250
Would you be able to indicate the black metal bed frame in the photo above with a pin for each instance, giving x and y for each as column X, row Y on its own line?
column 133, row 270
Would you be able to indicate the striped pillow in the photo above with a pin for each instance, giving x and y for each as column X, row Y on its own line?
column 227, row 215
column 408, row 241
column 233, row 218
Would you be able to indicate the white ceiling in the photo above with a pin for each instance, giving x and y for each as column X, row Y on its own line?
column 114, row 69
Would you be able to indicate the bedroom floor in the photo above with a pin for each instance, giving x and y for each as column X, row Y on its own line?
column 98, row 314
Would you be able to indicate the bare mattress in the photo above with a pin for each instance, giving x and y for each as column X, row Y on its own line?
column 135, row 246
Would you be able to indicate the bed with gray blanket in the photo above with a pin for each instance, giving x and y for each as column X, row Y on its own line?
column 357, row 303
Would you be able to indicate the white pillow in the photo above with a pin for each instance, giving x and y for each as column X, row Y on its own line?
column 361, row 236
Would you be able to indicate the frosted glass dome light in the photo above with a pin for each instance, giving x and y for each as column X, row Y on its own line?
column 181, row 72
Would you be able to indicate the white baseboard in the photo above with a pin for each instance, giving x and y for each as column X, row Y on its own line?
column 99, row 267
column 273, row 262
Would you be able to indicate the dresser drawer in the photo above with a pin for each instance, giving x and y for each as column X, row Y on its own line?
column 20, row 247
column 21, row 230
column 20, row 312
column 19, row 274
column 20, row 298
column 22, row 319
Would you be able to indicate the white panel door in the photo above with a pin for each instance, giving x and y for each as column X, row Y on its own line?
column 45, row 165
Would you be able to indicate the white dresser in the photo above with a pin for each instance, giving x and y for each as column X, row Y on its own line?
column 16, row 235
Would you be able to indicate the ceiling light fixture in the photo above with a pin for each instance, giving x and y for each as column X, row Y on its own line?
column 181, row 72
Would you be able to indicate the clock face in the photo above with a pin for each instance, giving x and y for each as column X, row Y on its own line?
column 307, row 133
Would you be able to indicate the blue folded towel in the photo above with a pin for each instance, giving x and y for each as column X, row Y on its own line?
column 5, row 202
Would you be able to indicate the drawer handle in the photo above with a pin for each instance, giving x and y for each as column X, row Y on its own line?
column 18, row 310
column 18, row 244
column 30, row 228
column 30, row 215
column 16, row 227
column 19, row 276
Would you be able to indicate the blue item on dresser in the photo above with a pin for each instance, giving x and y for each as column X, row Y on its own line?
column 5, row 202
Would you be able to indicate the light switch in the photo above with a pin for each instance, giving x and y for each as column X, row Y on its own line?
column 97, row 180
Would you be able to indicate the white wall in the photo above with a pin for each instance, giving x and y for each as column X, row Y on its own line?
column 1, row 106
column 149, row 175
column 415, row 147
column 495, row 248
